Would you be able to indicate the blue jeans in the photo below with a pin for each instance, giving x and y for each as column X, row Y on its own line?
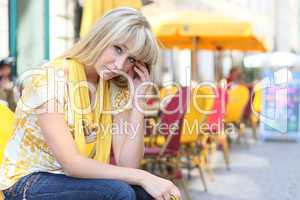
column 47, row 186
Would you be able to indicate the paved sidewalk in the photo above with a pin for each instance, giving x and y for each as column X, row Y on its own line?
column 261, row 171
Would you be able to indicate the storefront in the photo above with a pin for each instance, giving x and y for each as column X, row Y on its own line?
column 38, row 31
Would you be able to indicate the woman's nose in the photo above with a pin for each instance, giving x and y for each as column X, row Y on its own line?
column 120, row 62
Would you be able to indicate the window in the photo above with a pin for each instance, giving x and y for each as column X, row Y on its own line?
column 4, row 31
column 62, row 35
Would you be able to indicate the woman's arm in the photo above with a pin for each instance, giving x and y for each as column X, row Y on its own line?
column 128, row 143
column 128, row 138
column 62, row 145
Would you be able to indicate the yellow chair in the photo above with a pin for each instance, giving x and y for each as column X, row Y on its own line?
column 165, row 95
column 193, row 140
column 238, row 97
column 167, row 91
column 257, row 101
column 6, row 128
column 256, row 110
column 218, row 139
column 190, row 137
column 198, row 107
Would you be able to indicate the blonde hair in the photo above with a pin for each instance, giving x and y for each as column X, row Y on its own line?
column 118, row 26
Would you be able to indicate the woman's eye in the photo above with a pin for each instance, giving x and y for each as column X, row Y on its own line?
column 132, row 60
column 118, row 49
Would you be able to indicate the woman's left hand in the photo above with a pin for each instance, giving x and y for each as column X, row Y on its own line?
column 141, row 81
column 142, row 76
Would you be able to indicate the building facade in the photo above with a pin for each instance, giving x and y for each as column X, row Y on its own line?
column 38, row 30
column 276, row 21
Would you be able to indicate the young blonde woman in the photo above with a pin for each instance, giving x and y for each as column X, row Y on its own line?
column 64, row 132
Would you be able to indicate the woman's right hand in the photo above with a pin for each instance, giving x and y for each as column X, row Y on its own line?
column 159, row 188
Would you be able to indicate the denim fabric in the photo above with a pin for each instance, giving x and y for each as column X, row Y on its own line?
column 47, row 186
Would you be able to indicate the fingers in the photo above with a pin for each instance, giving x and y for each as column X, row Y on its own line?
column 172, row 193
column 167, row 196
column 164, row 197
column 162, row 189
column 140, row 73
column 143, row 68
column 143, row 76
column 175, row 192
column 164, row 194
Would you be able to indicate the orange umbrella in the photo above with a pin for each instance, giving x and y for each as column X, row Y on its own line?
column 205, row 30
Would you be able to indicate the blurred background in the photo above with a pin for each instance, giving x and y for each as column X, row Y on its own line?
column 249, row 48
column 48, row 28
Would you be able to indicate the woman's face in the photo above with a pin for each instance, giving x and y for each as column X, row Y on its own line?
column 113, row 61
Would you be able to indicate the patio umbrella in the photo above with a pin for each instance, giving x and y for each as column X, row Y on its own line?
column 205, row 30
column 94, row 9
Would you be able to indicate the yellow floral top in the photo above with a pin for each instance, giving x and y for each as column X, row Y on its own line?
column 27, row 151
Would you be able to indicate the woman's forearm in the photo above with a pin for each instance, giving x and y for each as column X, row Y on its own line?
column 82, row 167
column 133, row 147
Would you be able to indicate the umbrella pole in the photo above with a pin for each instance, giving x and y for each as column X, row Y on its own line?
column 219, row 64
column 194, row 58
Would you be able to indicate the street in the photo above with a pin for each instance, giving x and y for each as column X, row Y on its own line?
column 259, row 171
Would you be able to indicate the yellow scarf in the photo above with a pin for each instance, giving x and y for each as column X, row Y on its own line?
column 95, row 120
column 100, row 149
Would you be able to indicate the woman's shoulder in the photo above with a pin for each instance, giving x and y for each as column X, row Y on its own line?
column 44, row 84
column 62, row 63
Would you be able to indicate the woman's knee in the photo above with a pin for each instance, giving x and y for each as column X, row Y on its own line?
column 123, row 191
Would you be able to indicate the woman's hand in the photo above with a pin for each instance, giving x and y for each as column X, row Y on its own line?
column 142, row 83
column 143, row 74
column 159, row 188
column 140, row 74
